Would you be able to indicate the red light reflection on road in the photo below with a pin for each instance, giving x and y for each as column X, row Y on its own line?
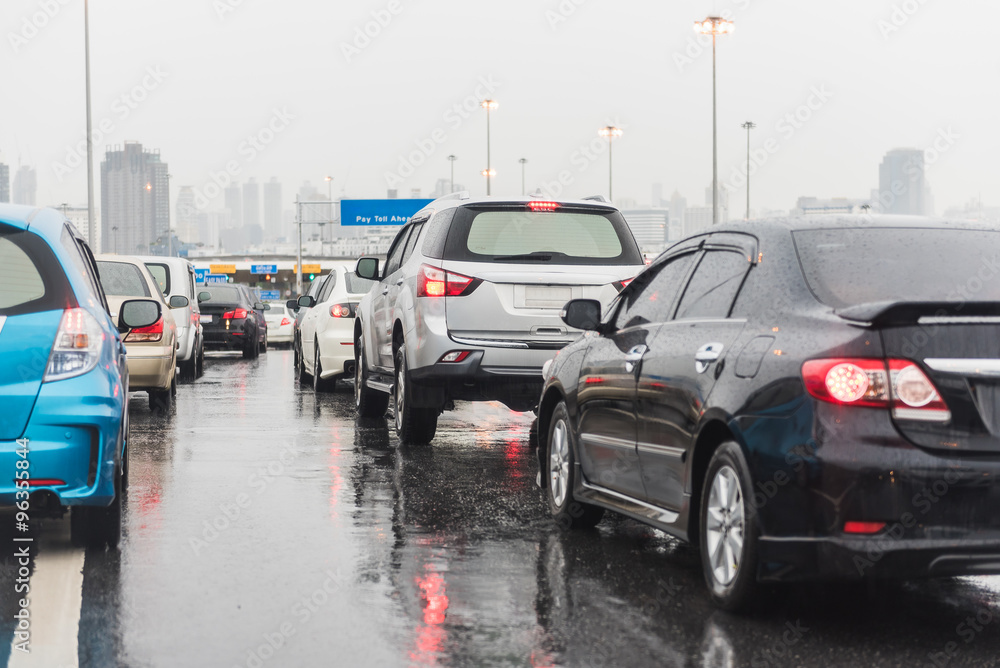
column 431, row 634
column 336, row 478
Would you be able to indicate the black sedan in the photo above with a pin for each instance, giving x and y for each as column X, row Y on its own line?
column 232, row 320
column 803, row 399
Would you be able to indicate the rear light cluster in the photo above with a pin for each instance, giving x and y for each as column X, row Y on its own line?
column 77, row 347
column 343, row 310
column 622, row 284
column 543, row 206
column 895, row 383
column 285, row 322
column 150, row 334
column 455, row 356
column 236, row 314
column 436, row 282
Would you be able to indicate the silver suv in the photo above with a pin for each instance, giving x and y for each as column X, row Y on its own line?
column 467, row 306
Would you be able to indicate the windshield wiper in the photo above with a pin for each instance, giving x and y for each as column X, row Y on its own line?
column 537, row 255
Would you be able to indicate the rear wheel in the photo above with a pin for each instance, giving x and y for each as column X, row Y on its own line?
column 189, row 369
column 263, row 344
column 414, row 425
column 370, row 403
column 160, row 400
column 729, row 530
column 568, row 512
column 201, row 360
column 250, row 348
column 300, row 367
column 320, row 384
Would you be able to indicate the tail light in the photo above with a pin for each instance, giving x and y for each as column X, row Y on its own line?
column 436, row 282
column 543, row 206
column 866, row 528
column 895, row 383
column 342, row 310
column 622, row 284
column 77, row 347
column 149, row 334
column 285, row 322
column 455, row 356
column 236, row 314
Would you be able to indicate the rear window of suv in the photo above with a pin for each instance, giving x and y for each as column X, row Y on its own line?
column 565, row 236
column 851, row 266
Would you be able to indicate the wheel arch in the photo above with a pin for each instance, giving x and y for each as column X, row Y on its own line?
column 550, row 399
column 714, row 431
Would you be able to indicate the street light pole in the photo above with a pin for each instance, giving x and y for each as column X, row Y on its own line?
column 748, row 126
column 488, row 105
column 91, row 231
column 452, row 159
column 714, row 26
column 170, row 236
column 298, row 248
column 610, row 132
column 523, row 162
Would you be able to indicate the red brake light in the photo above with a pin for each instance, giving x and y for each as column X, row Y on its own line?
column 543, row 206
column 146, row 334
column 863, row 527
column 45, row 482
column 285, row 322
column 235, row 315
column 436, row 282
column 342, row 311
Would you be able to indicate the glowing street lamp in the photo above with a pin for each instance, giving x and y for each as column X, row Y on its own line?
column 488, row 105
column 714, row 26
column 610, row 132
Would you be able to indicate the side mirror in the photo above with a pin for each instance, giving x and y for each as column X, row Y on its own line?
column 257, row 306
column 204, row 296
column 178, row 301
column 267, row 307
column 136, row 313
column 306, row 301
column 292, row 304
column 367, row 267
column 582, row 314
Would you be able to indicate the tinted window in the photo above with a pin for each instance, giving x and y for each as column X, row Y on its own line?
column 357, row 285
column 396, row 254
column 331, row 281
column 566, row 236
column 436, row 233
column 225, row 295
column 122, row 279
column 714, row 286
column 411, row 242
column 31, row 279
column 161, row 275
column 650, row 296
column 845, row 267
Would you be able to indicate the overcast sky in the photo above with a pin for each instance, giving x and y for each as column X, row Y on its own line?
column 879, row 74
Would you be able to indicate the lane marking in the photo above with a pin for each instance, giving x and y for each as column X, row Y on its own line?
column 56, row 601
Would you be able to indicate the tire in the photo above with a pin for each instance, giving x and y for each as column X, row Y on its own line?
column 320, row 384
column 263, row 345
column 189, row 369
column 561, row 475
column 370, row 403
column 201, row 360
column 414, row 426
column 251, row 349
column 97, row 527
column 300, row 368
column 729, row 530
column 160, row 400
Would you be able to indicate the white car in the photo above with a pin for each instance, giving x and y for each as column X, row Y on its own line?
column 175, row 276
column 280, row 323
column 327, row 329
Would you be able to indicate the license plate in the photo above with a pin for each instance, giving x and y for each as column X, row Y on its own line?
column 206, row 318
column 547, row 296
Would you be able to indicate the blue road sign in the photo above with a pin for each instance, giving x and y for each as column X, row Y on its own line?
column 263, row 269
column 214, row 279
column 379, row 211
column 270, row 295
column 200, row 274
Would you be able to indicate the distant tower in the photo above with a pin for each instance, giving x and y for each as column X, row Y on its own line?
column 25, row 185
column 234, row 203
column 273, row 229
column 134, row 206
column 901, row 183
column 4, row 184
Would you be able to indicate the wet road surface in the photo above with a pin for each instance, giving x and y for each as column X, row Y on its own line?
column 267, row 526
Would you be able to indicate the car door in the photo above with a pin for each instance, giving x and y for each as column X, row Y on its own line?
column 311, row 319
column 606, row 395
column 685, row 358
column 381, row 305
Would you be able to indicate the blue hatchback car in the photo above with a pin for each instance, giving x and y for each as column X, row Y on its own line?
column 63, row 378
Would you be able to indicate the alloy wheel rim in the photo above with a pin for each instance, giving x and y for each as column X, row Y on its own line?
column 357, row 376
column 725, row 526
column 559, row 464
column 316, row 369
column 400, row 394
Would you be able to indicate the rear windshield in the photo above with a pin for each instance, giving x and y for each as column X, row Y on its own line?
column 31, row 279
column 847, row 267
column 161, row 275
column 122, row 279
column 225, row 295
column 559, row 237
column 357, row 285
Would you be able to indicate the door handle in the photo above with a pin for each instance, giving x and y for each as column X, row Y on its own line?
column 634, row 355
column 707, row 354
column 385, row 290
column 399, row 282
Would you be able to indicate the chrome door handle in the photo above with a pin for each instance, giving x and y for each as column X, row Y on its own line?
column 385, row 290
column 634, row 355
column 707, row 354
column 399, row 282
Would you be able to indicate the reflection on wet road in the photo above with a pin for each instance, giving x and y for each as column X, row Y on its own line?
column 269, row 527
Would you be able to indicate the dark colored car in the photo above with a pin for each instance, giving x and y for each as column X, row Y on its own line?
column 231, row 320
column 804, row 399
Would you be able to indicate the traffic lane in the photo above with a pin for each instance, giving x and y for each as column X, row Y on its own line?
column 364, row 552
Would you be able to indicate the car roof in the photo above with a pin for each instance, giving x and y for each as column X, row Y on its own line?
column 463, row 199
column 44, row 221
column 849, row 221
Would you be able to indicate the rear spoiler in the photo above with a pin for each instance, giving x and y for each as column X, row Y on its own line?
column 910, row 313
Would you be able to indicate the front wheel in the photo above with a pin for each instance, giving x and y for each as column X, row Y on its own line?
column 370, row 403
column 561, row 474
column 729, row 530
column 320, row 384
column 414, row 426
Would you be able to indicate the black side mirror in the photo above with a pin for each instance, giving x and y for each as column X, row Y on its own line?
column 267, row 307
column 305, row 301
column 178, row 301
column 257, row 306
column 204, row 296
column 367, row 267
column 136, row 313
column 292, row 304
column 582, row 314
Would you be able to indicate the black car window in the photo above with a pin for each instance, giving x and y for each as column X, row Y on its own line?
column 161, row 274
column 714, row 286
column 331, row 282
column 122, row 279
column 395, row 258
column 225, row 295
column 652, row 293
column 411, row 242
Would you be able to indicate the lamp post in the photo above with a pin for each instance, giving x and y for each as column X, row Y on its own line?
column 488, row 105
column 610, row 132
column 91, row 234
column 170, row 236
column 452, row 159
column 523, row 161
column 714, row 26
column 748, row 126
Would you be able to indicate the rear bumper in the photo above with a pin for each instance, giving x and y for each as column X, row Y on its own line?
column 233, row 338
column 519, row 387
column 73, row 436
column 336, row 349
column 150, row 368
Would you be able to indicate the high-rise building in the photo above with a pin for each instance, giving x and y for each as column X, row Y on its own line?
column 649, row 227
column 234, row 204
column 273, row 229
column 251, row 203
column 901, row 182
column 187, row 217
column 4, row 184
column 25, row 185
column 135, row 211
column 656, row 199
column 678, row 210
